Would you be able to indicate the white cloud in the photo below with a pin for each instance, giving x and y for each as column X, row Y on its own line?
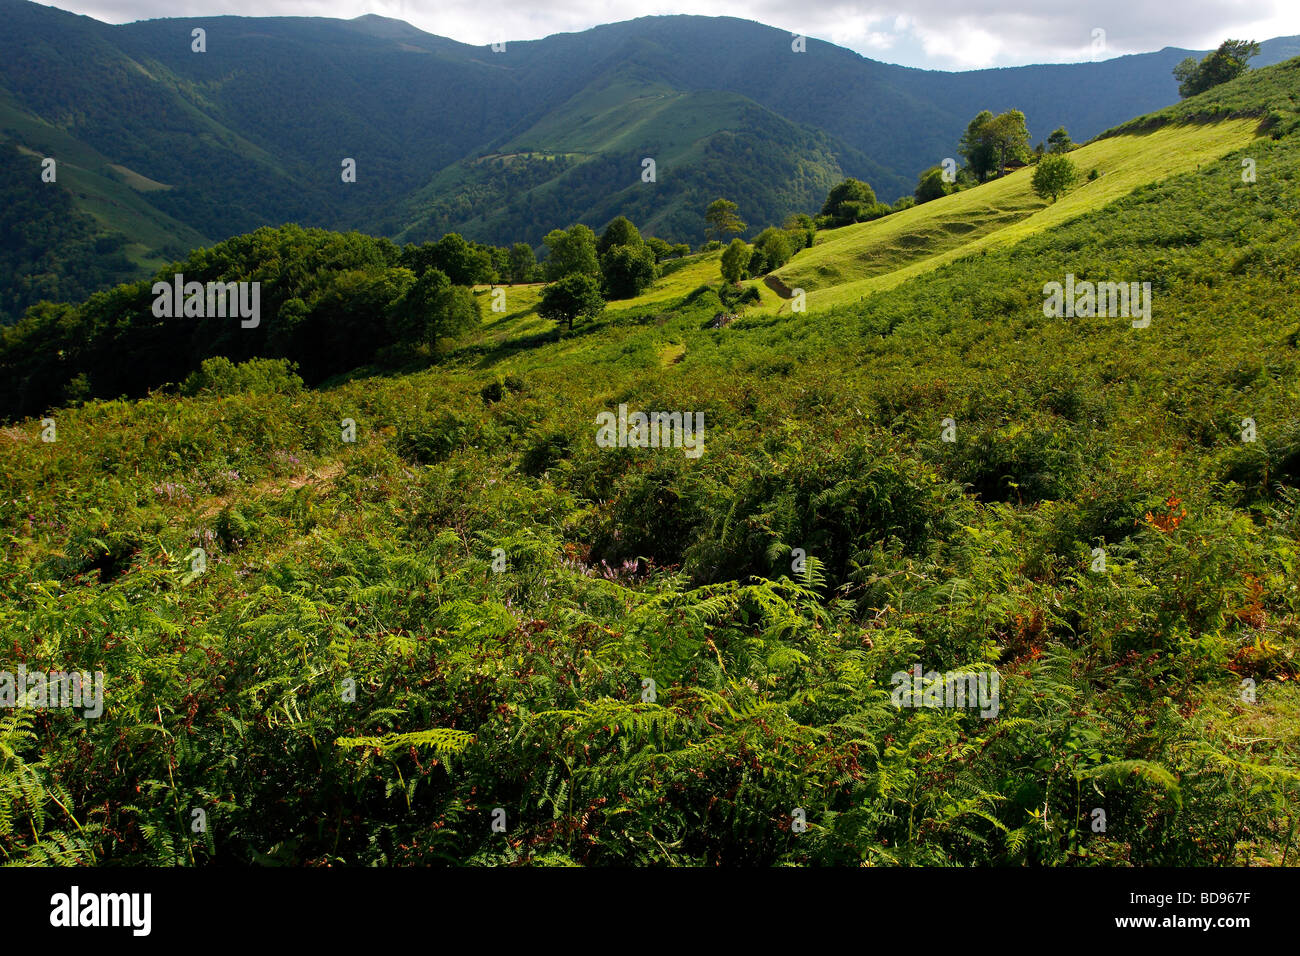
column 942, row 34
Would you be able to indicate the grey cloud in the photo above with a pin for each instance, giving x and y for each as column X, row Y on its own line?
column 941, row 34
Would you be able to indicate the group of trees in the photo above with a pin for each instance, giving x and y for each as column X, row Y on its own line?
column 326, row 292
column 1226, row 63
column 771, row 249
column 992, row 143
column 584, row 271
column 329, row 301
column 469, row 263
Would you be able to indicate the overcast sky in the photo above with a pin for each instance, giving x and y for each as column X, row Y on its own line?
column 936, row 34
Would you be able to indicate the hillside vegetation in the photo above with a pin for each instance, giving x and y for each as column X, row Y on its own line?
column 163, row 148
column 473, row 635
column 857, row 260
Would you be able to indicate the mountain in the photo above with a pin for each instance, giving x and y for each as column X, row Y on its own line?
column 161, row 148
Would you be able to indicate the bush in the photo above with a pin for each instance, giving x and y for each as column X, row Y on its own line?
column 258, row 376
column 834, row 502
column 733, row 297
column 429, row 442
column 735, row 261
column 497, row 390
column 544, row 452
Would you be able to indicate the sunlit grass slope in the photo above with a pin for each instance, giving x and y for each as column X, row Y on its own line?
column 847, row 264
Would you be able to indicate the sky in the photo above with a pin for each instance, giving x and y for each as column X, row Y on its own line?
column 933, row 34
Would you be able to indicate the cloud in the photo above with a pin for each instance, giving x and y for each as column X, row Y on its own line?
column 939, row 34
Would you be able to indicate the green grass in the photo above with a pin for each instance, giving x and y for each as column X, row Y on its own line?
column 701, row 269
column 849, row 263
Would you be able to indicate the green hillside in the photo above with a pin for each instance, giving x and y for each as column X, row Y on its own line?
column 857, row 260
column 455, row 138
column 584, row 163
column 369, row 651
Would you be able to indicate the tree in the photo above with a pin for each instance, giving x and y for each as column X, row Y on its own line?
column 433, row 310
column 1008, row 137
column 978, row 152
column 772, row 249
column 576, row 295
column 661, row 249
column 1226, row 63
column 571, row 251
column 620, row 232
column 734, row 260
column 720, row 218
column 627, row 264
column 1053, row 176
column 627, row 271
column 1059, row 141
column 457, row 311
column 462, row 262
column 932, row 185
column 852, row 201
column 409, row 316
column 802, row 230
column 521, row 262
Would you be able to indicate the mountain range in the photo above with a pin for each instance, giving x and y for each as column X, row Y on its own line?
column 160, row 148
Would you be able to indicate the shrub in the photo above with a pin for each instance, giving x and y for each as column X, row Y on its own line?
column 735, row 260
column 257, row 376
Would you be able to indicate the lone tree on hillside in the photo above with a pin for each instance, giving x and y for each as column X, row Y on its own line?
column 627, row 271
column 852, row 201
column 575, row 296
column 721, row 219
column 993, row 141
column 932, row 186
column 1053, row 176
column 1226, row 63
column 734, row 260
column 1059, row 141
column 627, row 263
